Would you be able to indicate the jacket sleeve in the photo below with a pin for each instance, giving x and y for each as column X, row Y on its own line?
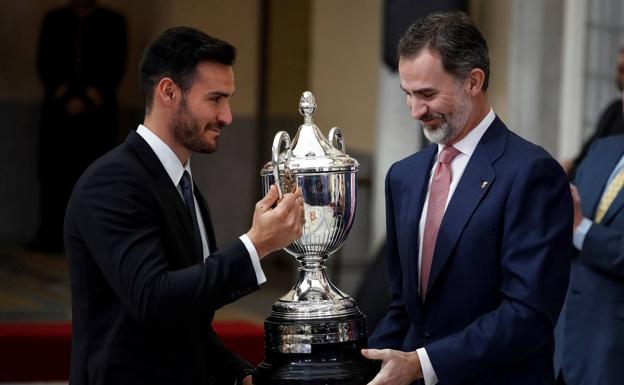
column 391, row 330
column 113, row 216
column 603, row 247
column 535, row 249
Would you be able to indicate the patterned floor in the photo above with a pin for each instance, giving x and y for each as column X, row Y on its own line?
column 35, row 287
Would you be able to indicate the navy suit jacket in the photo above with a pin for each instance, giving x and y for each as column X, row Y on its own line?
column 500, row 266
column 143, row 299
column 593, row 327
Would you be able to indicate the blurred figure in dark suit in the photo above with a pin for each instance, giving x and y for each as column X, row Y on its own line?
column 611, row 121
column 81, row 60
column 591, row 327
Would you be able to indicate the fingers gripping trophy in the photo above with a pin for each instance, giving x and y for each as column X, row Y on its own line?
column 314, row 333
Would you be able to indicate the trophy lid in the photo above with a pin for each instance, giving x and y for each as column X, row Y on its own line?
column 310, row 151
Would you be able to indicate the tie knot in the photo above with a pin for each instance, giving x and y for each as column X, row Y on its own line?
column 447, row 154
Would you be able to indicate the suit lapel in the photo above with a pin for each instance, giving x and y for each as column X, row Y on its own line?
column 592, row 192
column 205, row 213
column 615, row 207
column 469, row 192
column 176, row 209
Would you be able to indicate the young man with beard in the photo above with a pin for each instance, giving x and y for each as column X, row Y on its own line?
column 479, row 228
column 146, row 274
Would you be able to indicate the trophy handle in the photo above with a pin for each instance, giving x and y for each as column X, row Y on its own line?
column 280, row 137
column 337, row 139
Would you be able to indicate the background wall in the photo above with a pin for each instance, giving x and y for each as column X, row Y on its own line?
column 20, row 95
column 494, row 18
column 345, row 43
column 329, row 47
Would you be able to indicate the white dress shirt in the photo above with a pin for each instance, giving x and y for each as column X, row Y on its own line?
column 175, row 170
column 466, row 146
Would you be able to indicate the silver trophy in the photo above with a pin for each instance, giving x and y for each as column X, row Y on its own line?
column 314, row 333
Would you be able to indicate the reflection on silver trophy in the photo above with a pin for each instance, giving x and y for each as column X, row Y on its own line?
column 315, row 332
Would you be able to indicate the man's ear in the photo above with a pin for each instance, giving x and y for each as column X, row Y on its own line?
column 474, row 81
column 167, row 92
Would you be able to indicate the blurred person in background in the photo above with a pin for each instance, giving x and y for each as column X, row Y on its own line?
column 611, row 121
column 591, row 331
column 81, row 60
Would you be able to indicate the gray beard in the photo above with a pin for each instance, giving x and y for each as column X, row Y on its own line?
column 449, row 129
column 441, row 135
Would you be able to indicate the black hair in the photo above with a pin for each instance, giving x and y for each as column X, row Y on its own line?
column 175, row 54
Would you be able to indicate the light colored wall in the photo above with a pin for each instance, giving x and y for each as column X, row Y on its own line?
column 288, row 58
column 236, row 21
column 493, row 19
column 535, row 71
column 344, row 59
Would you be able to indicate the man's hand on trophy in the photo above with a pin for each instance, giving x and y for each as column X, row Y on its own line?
column 274, row 228
column 397, row 368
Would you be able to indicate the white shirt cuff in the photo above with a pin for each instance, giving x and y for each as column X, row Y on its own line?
column 581, row 232
column 255, row 259
column 429, row 375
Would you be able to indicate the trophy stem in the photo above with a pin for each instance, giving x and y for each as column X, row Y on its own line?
column 312, row 263
column 313, row 285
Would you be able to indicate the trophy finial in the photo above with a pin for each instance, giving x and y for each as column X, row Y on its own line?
column 307, row 105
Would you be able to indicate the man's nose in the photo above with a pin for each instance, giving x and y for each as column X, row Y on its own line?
column 225, row 114
column 417, row 108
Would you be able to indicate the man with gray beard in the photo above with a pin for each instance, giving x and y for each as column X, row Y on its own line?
column 479, row 228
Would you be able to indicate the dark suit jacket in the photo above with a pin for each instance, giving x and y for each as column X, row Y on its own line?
column 500, row 267
column 593, row 334
column 611, row 122
column 142, row 299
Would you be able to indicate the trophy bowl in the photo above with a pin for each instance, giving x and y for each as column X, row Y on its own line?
column 314, row 333
column 329, row 203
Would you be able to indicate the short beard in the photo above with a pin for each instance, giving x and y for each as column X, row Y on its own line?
column 187, row 131
column 451, row 125
column 443, row 134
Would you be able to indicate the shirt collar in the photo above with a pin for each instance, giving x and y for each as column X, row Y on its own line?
column 469, row 143
column 165, row 154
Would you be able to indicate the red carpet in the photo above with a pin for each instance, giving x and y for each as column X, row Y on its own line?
column 40, row 351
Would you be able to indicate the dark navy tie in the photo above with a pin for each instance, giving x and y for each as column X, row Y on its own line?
column 187, row 192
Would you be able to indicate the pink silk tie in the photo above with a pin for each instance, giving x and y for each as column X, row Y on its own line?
column 438, row 193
